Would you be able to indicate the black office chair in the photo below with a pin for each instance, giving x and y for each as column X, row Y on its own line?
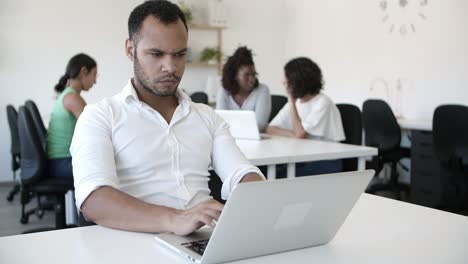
column 12, row 117
column 450, row 138
column 277, row 102
column 352, row 126
column 34, row 172
column 383, row 132
column 199, row 97
column 37, row 119
column 215, row 184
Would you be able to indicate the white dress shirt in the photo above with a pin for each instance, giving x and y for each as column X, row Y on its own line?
column 319, row 116
column 259, row 101
column 123, row 143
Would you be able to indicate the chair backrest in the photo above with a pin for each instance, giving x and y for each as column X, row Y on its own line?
column 277, row 102
column 199, row 97
column 352, row 123
column 33, row 157
column 352, row 126
column 380, row 126
column 37, row 119
column 15, row 150
column 450, row 134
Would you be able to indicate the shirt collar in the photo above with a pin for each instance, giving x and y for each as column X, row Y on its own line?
column 128, row 94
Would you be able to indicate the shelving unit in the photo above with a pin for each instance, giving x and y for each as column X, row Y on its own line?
column 219, row 44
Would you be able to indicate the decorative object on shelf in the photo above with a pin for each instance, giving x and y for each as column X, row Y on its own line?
column 401, row 15
column 210, row 55
column 186, row 9
column 217, row 13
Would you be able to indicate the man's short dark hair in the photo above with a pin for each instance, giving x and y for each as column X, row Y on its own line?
column 163, row 10
column 303, row 76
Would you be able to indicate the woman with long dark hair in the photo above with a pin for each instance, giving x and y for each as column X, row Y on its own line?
column 241, row 88
column 80, row 75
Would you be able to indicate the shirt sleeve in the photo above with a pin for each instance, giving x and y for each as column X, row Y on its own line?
column 316, row 121
column 221, row 99
column 228, row 161
column 263, row 107
column 92, row 153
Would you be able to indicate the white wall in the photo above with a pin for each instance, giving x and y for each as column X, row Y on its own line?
column 38, row 37
column 347, row 39
column 356, row 51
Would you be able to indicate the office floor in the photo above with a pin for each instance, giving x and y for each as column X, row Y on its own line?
column 10, row 213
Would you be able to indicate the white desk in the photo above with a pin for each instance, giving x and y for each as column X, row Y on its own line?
column 378, row 230
column 415, row 124
column 277, row 150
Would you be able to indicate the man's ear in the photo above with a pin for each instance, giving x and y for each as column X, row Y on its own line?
column 129, row 49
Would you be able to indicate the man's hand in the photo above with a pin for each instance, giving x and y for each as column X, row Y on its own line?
column 186, row 222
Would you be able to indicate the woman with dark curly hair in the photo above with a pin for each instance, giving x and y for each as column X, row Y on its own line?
column 309, row 113
column 241, row 89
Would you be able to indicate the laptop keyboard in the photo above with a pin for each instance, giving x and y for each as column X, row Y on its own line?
column 197, row 246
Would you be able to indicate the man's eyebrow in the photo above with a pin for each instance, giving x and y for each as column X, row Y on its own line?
column 164, row 52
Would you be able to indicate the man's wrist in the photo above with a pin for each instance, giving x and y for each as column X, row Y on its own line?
column 172, row 216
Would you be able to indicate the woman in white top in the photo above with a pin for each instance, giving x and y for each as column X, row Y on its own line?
column 308, row 113
column 241, row 89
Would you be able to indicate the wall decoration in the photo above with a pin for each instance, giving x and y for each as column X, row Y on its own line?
column 402, row 16
column 391, row 91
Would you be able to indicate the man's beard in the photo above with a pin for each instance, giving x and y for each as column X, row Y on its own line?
column 152, row 85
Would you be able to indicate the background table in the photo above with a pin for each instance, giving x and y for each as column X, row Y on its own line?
column 278, row 150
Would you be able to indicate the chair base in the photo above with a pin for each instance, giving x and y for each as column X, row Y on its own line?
column 396, row 189
column 14, row 191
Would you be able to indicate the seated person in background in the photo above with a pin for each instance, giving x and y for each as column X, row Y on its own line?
column 241, row 89
column 308, row 114
column 80, row 75
column 141, row 157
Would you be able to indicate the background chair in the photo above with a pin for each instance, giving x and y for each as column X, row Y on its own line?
column 215, row 184
column 277, row 102
column 352, row 126
column 34, row 172
column 199, row 97
column 38, row 123
column 383, row 132
column 450, row 139
column 12, row 117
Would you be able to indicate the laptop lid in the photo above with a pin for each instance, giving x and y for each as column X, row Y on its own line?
column 242, row 123
column 262, row 218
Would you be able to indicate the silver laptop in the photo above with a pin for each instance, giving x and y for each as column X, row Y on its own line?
column 242, row 124
column 262, row 218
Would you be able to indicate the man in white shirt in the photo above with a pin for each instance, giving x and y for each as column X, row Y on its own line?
column 141, row 157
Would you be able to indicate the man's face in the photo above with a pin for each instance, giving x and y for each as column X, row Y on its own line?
column 159, row 56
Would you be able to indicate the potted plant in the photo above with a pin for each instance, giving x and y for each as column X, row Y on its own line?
column 186, row 10
column 210, row 55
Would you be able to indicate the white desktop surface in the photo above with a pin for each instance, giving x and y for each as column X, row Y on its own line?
column 276, row 150
column 378, row 230
column 415, row 124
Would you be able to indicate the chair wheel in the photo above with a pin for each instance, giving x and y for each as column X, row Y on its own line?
column 39, row 213
column 24, row 220
column 9, row 198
